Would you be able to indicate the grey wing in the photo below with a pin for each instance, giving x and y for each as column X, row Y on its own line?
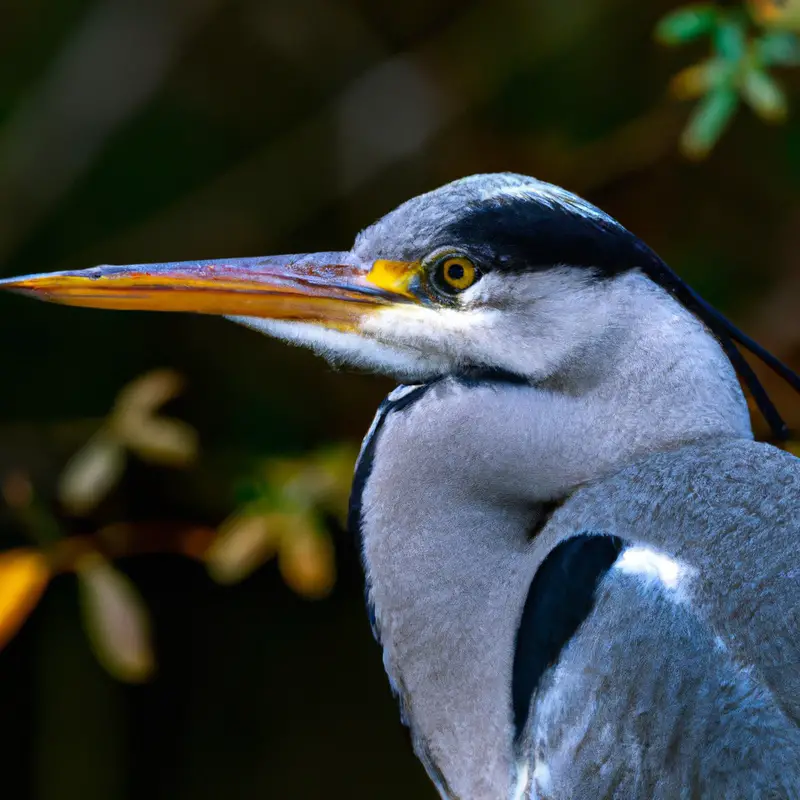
column 645, row 701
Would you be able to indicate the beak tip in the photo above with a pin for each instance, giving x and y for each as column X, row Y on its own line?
column 20, row 285
column 12, row 285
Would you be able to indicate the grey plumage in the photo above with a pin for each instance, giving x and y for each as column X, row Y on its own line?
column 570, row 367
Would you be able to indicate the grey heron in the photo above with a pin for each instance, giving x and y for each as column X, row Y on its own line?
column 582, row 569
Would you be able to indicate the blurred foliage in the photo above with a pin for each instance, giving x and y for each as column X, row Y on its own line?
column 287, row 519
column 133, row 424
column 144, row 130
column 284, row 518
column 739, row 67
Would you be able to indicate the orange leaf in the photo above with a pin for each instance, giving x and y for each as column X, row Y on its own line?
column 24, row 574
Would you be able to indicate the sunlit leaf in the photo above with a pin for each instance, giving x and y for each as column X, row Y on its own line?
column 778, row 48
column 91, row 473
column 163, row 440
column 708, row 121
column 135, row 423
column 244, row 543
column 686, row 23
column 699, row 79
column 145, row 395
column 307, row 560
column 764, row 95
column 116, row 620
column 24, row 574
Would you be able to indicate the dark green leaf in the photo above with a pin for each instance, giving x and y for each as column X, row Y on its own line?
column 686, row 23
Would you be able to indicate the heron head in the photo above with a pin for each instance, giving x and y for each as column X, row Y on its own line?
column 497, row 272
column 492, row 272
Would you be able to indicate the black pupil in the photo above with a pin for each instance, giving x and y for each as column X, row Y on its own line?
column 455, row 272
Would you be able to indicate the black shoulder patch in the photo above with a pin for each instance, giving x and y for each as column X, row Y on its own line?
column 560, row 597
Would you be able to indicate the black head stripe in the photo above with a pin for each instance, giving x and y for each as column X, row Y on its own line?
column 526, row 235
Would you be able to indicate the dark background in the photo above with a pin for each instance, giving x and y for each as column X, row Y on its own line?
column 149, row 130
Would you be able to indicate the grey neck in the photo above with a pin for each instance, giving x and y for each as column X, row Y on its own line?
column 455, row 484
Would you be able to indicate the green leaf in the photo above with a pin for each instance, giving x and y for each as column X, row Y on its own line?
column 778, row 48
column 761, row 92
column 730, row 39
column 686, row 23
column 708, row 121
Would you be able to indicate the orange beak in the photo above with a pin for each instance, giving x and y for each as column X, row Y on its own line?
column 334, row 289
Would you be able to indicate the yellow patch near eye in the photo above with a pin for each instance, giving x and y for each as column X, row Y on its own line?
column 458, row 273
column 393, row 276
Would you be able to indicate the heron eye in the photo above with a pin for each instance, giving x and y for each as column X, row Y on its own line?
column 454, row 274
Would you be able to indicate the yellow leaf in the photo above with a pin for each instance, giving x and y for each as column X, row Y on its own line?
column 244, row 543
column 24, row 574
column 307, row 560
column 116, row 620
column 91, row 473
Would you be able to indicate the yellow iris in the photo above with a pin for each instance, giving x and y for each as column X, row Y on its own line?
column 457, row 273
